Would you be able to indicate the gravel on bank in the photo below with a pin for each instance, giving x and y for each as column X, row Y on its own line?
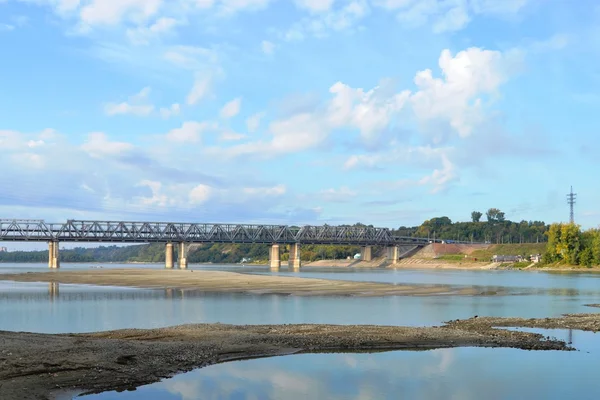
column 232, row 282
column 42, row 366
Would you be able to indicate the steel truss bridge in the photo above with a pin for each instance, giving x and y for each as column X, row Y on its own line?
column 166, row 232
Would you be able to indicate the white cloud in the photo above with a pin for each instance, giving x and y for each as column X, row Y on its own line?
column 158, row 198
column 447, row 15
column 201, row 88
column 267, row 47
column 440, row 178
column 190, row 132
column 35, row 143
column 126, row 108
column 455, row 97
column 191, row 57
column 253, row 122
column 167, row 113
column 143, row 35
column 342, row 194
column 278, row 190
column 111, row 12
column 200, row 194
column 231, row 136
column 334, row 20
column 231, row 109
column 369, row 112
column 98, row 146
column 135, row 105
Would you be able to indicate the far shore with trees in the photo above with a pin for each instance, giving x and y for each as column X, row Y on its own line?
column 496, row 229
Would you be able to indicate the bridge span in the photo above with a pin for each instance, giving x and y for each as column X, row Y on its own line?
column 183, row 234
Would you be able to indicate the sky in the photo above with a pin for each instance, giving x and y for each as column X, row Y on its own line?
column 385, row 112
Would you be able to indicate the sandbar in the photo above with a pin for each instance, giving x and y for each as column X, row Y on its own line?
column 44, row 366
column 218, row 281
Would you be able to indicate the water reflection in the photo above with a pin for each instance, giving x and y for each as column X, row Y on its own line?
column 53, row 290
column 465, row 373
column 53, row 308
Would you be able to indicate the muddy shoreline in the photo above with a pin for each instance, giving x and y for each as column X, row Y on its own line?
column 42, row 366
column 233, row 282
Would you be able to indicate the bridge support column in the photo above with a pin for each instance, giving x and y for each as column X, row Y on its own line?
column 393, row 253
column 53, row 255
column 366, row 254
column 275, row 259
column 294, row 260
column 169, row 256
column 182, row 253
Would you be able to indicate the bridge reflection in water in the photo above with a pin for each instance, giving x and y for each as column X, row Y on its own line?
column 99, row 293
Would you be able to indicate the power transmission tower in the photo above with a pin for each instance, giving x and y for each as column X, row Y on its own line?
column 572, row 199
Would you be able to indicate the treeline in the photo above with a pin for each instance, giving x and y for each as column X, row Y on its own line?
column 155, row 253
column 567, row 244
column 497, row 229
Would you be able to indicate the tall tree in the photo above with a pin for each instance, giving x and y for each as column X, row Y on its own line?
column 476, row 216
column 495, row 215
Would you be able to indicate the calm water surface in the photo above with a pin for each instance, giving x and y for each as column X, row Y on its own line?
column 449, row 373
column 463, row 373
column 52, row 308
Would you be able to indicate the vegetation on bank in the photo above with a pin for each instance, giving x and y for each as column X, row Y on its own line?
column 205, row 253
column 517, row 249
column 495, row 230
column 567, row 244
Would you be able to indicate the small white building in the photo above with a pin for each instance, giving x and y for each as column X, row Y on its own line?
column 536, row 258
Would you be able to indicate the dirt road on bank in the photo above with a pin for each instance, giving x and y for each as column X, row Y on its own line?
column 216, row 281
column 41, row 366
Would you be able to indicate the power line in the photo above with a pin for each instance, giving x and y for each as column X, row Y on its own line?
column 571, row 200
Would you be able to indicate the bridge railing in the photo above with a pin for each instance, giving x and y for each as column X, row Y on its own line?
column 147, row 232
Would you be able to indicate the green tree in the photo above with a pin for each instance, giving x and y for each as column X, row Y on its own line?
column 595, row 245
column 570, row 244
column 552, row 253
column 476, row 216
column 495, row 215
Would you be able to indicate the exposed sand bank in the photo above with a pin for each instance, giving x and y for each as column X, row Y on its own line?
column 40, row 366
column 217, row 281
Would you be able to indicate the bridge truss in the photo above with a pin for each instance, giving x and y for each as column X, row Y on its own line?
column 164, row 232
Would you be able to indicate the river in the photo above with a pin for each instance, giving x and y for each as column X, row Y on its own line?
column 463, row 373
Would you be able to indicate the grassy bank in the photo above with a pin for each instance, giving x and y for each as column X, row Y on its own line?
column 524, row 249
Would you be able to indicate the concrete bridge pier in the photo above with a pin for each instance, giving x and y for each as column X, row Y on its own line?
column 275, row 257
column 182, row 253
column 366, row 253
column 53, row 255
column 294, row 260
column 169, row 256
column 393, row 254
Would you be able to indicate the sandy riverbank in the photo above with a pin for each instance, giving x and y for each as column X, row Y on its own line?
column 217, row 281
column 41, row 366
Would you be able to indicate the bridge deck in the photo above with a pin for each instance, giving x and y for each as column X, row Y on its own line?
column 164, row 232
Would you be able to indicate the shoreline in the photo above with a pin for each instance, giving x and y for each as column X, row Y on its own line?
column 126, row 359
column 407, row 263
column 233, row 282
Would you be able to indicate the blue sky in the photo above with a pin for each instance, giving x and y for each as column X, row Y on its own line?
column 386, row 112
